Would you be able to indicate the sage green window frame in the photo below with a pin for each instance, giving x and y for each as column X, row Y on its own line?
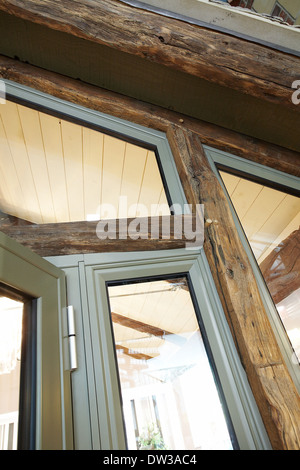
column 33, row 276
column 92, row 311
column 279, row 180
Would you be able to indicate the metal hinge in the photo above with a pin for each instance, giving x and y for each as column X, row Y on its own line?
column 72, row 338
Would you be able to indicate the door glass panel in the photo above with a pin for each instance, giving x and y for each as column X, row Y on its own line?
column 169, row 395
column 11, row 313
column 271, row 221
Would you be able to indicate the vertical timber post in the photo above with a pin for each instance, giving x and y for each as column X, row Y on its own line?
column 275, row 393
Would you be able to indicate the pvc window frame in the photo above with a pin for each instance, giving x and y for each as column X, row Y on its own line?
column 99, row 270
column 47, row 426
column 220, row 160
column 98, row 369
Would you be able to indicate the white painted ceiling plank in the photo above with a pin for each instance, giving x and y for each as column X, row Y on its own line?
column 36, row 154
column 51, row 128
column 15, row 137
column 64, row 171
column 113, row 161
column 92, row 172
column 9, row 174
column 73, row 162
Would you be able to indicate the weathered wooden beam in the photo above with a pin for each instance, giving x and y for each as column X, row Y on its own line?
column 138, row 325
column 273, row 388
column 7, row 220
column 149, row 115
column 139, row 234
column 220, row 58
column 281, row 268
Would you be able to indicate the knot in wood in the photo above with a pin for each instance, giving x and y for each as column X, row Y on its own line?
column 164, row 36
column 230, row 273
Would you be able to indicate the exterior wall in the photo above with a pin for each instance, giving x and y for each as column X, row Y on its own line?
column 263, row 6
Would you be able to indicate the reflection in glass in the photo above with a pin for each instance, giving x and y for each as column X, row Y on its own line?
column 271, row 221
column 11, row 313
column 170, row 400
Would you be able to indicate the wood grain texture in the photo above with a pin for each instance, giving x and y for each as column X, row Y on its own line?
column 220, row 58
column 149, row 115
column 8, row 221
column 82, row 238
column 273, row 388
column 138, row 325
column 281, row 268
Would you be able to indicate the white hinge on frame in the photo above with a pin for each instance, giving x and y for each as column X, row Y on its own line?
column 72, row 338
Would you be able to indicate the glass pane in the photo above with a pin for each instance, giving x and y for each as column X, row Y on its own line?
column 271, row 221
column 11, row 313
column 170, row 399
column 53, row 171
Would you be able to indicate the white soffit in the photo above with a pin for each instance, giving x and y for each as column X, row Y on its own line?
column 53, row 170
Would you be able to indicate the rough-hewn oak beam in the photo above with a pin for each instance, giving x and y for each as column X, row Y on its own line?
column 7, row 220
column 217, row 57
column 149, row 115
column 81, row 237
column 273, row 388
column 138, row 325
column 281, row 268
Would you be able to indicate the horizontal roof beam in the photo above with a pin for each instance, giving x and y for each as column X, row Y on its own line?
column 211, row 55
column 119, row 235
